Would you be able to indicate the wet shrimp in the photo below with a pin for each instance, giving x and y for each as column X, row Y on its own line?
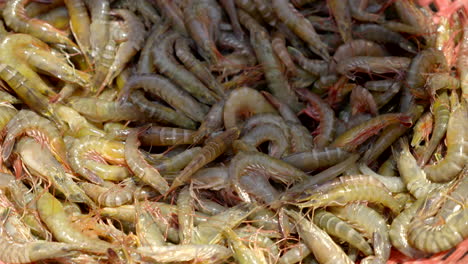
column 380, row 34
column 167, row 65
column 376, row 65
column 340, row 10
column 441, row 110
column 279, row 142
column 168, row 92
column 140, row 166
column 278, row 43
column 15, row 17
column 111, row 195
column 322, row 112
column 318, row 241
column 347, row 189
column 457, row 147
column 311, row 160
column 99, row 28
column 301, row 26
column 209, row 152
column 80, row 24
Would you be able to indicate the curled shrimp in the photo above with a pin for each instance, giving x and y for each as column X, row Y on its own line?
column 40, row 128
column 243, row 103
column 140, row 166
column 209, row 152
column 15, row 17
column 301, row 26
column 358, row 12
column 86, row 153
column 278, row 145
column 261, row 164
column 322, row 112
column 111, row 195
column 457, row 147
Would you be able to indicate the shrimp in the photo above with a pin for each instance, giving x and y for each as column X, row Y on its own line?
column 147, row 230
column 13, row 252
column 167, row 65
column 101, row 110
column 243, row 103
column 296, row 22
column 111, row 195
column 371, row 223
column 457, row 147
column 163, row 88
column 103, row 63
column 347, row 189
column 261, row 164
column 184, row 54
column 425, row 62
column 336, row 227
column 177, row 162
column 15, row 17
column 185, row 215
column 398, row 231
column 357, row 47
column 159, row 112
column 210, row 151
column 80, row 24
column 357, row 135
column 242, row 253
column 43, row 130
column 231, row 11
column 135, row 39
column 146, row 9
column 210, row 232
column 82, row 163
column 323, row 247
column 202, row 19
column 441, row 111
column 434, row 239
column 183, row 253
column 166, row 136
column 380, row 34
column 314, row 67
column 377, row 65
column 278, row 43
column 340, row 10
column 140, row 166
column 53, row 215
column 311, row 160
column 279, row 143
column 322, row 111
column 41, row 163
column 393, row 184
column 99, row 27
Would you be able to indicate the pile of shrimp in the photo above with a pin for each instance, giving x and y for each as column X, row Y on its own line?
column 233, row 131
